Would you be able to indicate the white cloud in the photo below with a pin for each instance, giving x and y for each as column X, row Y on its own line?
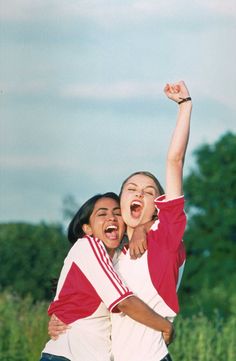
column 26, row 87
column 146, row 90
column 23, row 10
column 112, row 91
column 124, row 90
column 113, row 11
column 164, row 7
column 35, row 162
column 227, row 7
column 209, row 90
column 28, row 10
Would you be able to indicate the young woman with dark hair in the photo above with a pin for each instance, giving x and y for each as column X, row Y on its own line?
column 89, row 288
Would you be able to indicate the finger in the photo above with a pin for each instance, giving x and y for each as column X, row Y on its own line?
column 143, row 246
column 166, row 89
column 56, row 332
column 136, row 248
column 177, row 88
column 140, row 251
column 166, row 338
column 59, row 324
column 54, row 317
column 172, row 88
column 53, row 333
column 59, row 327
column 132, row 252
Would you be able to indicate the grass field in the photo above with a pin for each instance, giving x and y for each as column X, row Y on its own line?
column 23, row 332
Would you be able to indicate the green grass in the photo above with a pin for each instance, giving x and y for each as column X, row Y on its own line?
column 23, row 328
column 201, row 339
column 23, row 333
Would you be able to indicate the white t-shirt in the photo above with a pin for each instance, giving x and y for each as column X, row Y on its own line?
column 157, row 272
column 88, row 288
column 132, row 341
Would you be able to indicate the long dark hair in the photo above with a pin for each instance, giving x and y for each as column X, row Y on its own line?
column 147, row 174
column 82, row 216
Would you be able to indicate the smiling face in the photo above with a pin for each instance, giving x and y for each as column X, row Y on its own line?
column 106, row 223
column 137, row 200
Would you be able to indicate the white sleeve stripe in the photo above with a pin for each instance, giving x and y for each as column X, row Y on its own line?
column 181, row 270
column 102, row 260
column 113, row 271
column 109, row 265
column 114, row 304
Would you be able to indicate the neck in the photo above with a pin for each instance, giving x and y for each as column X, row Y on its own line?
column 130, row 232
column 111, row 252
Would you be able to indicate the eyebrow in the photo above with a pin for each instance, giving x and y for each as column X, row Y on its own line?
column 134, row 184
column 106, row 209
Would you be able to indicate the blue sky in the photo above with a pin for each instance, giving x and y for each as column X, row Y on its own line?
column 81, row 94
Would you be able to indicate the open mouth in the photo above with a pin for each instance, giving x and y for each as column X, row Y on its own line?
column 136, row 209
column 111, row 232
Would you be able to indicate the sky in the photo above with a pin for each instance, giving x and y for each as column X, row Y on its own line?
column 81, row 93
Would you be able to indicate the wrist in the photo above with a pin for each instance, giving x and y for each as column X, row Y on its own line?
column 184, row 100
column 141, row 228
column 168, row 327
column 187, row 105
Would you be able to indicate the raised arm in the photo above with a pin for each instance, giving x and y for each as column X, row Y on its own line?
column 177, row 92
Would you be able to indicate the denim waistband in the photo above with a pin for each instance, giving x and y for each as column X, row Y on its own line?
column 166, row 358
column 48, row 356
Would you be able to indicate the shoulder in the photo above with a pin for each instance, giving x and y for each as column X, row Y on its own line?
column 162, row 202
column 85, row 245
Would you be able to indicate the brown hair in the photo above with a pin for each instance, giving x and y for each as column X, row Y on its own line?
column 147, row 174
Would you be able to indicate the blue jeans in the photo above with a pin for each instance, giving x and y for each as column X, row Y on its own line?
column 167, row 358
column 49, row 357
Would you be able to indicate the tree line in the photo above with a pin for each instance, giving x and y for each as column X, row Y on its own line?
column 31, row 255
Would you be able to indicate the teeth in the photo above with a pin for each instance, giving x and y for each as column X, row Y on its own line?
column 136, row 203
column 111, row 228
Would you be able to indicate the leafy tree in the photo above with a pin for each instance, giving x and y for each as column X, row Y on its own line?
column 69, row 206
column 30, row 257
column 210, row 189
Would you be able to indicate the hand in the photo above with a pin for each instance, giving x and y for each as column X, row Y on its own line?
column 169, row 336
column 138, row 243
column 176, row 91
column 56, row 327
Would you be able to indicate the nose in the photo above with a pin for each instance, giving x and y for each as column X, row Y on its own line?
column 111, row 217
column 140, row 193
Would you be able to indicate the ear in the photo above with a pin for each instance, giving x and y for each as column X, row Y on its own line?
column 87, row 229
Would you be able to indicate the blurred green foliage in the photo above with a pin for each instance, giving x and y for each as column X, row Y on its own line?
column 23, row 328
column 30, row 257
column 201, row 339
column 210, row 189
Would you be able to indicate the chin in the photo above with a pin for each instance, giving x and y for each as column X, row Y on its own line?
column 131, row 222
